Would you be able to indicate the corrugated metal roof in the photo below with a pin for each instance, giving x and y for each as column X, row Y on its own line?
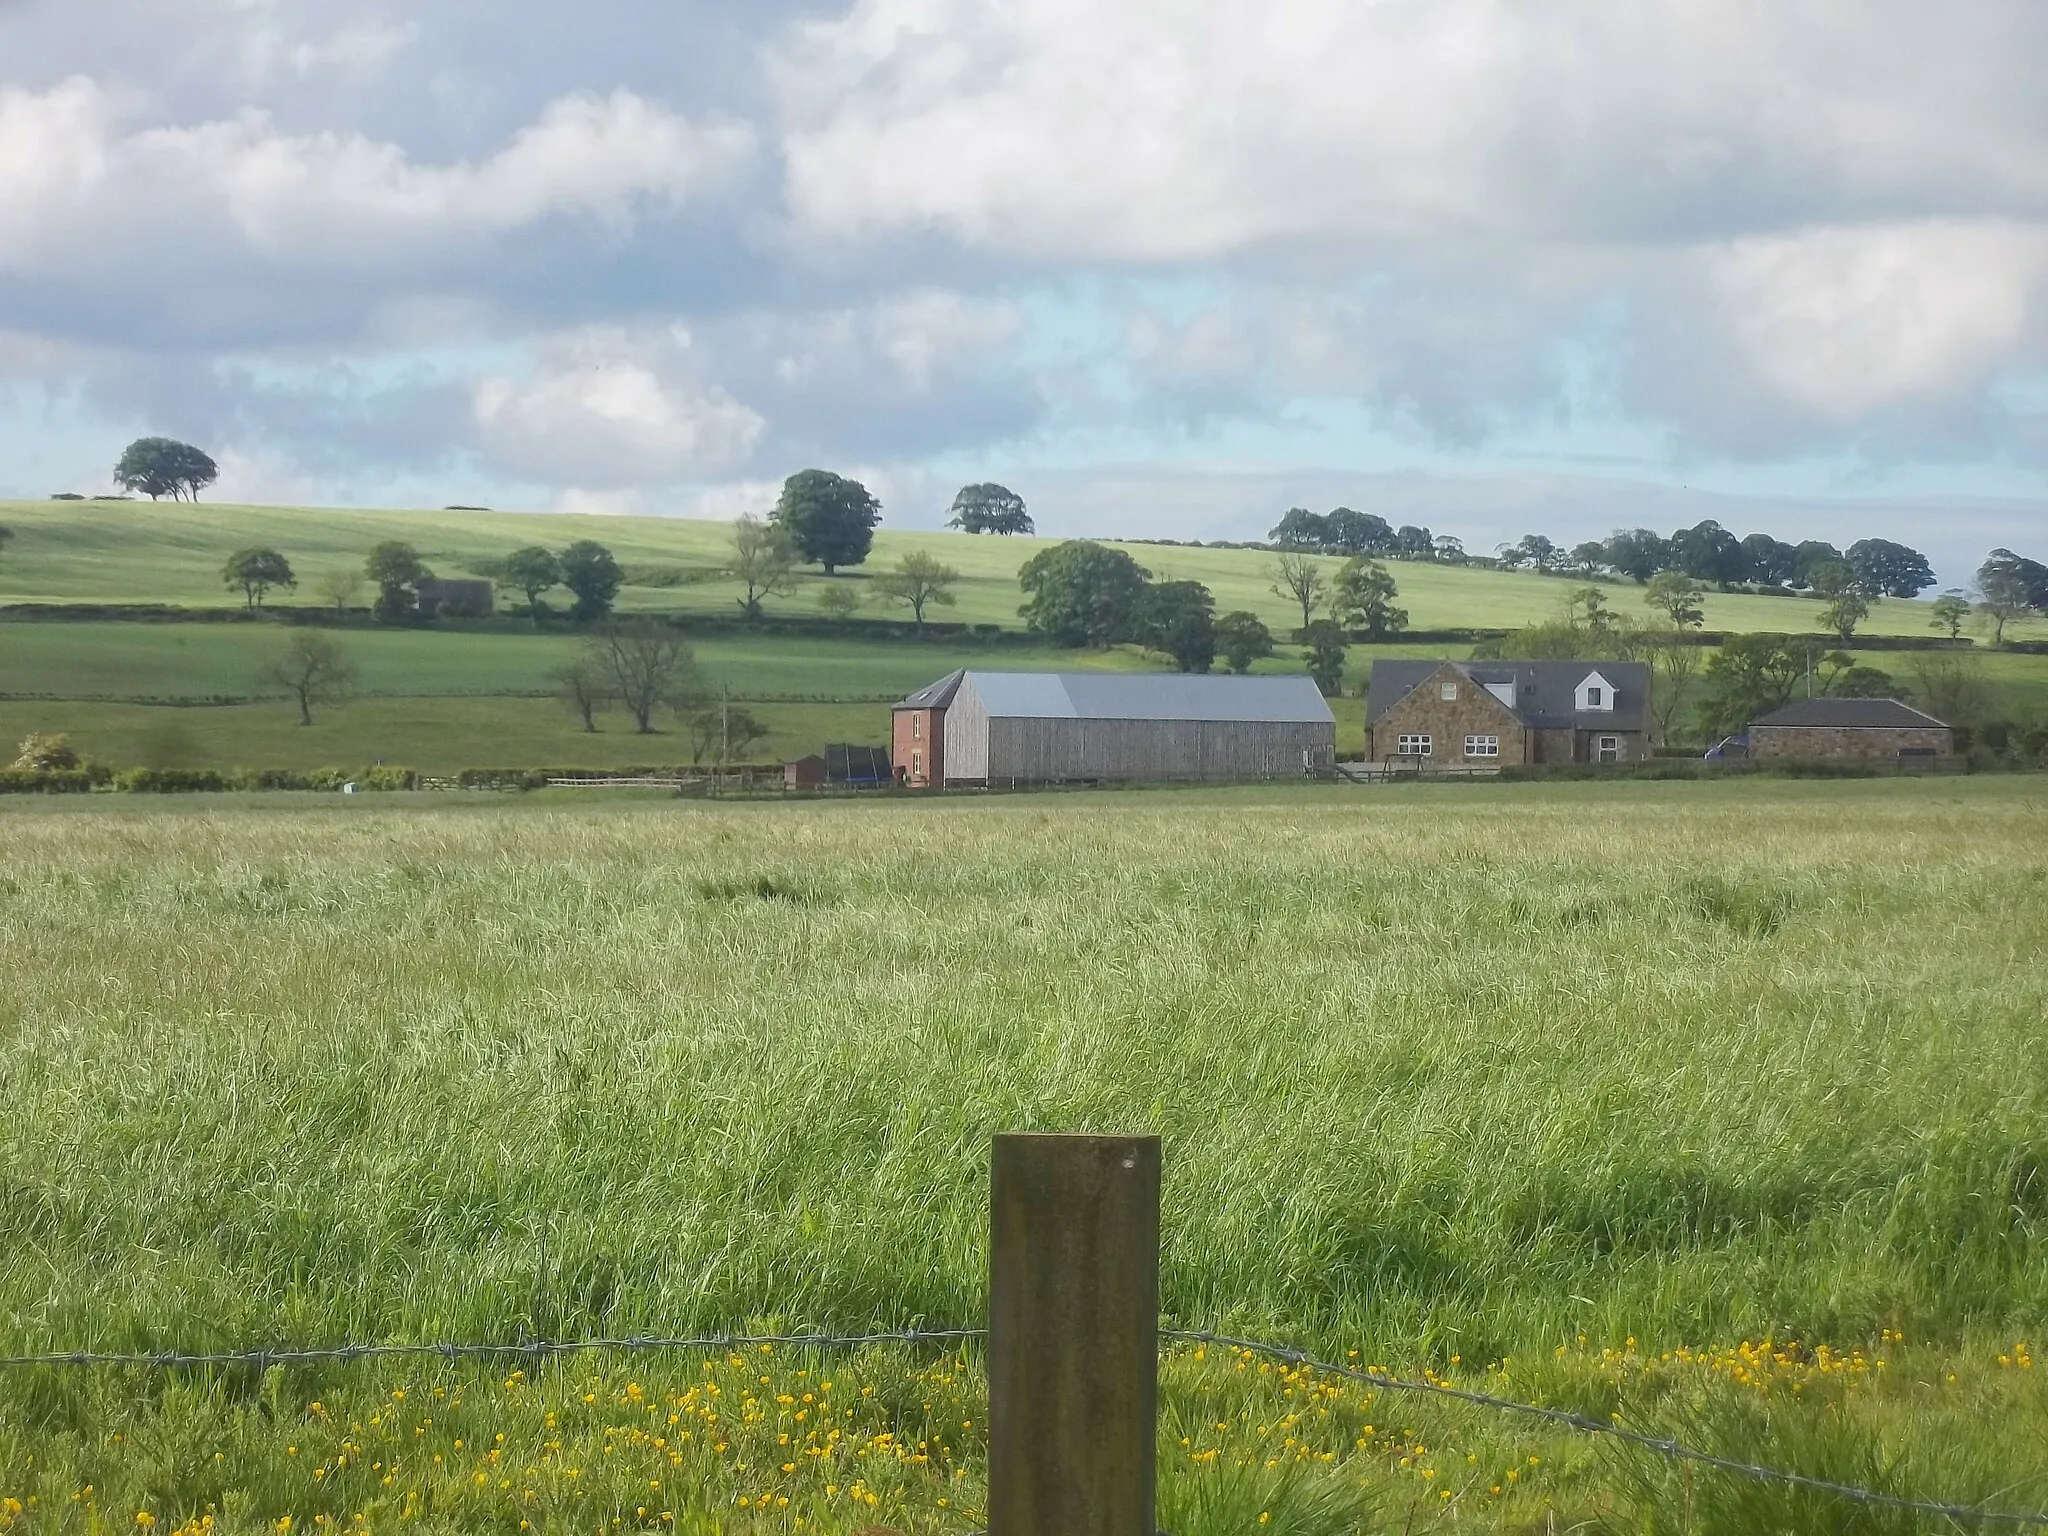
column 1854, row 714
column 934, row 695
column 1148, row 696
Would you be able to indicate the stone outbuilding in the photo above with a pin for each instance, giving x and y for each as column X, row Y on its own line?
column 1860, row 730
column 1473, row 715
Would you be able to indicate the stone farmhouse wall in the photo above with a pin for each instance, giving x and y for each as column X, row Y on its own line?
column 1447, row 722
column 1843, row 741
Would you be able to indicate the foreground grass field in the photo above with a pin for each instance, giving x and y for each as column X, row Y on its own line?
column 1489, row 1081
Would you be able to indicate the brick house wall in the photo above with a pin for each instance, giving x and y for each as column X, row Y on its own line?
column 917, row 747
column 1843, row 741
column 1447, row 722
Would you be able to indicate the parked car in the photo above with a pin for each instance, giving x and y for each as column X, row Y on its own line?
column 1729, row 747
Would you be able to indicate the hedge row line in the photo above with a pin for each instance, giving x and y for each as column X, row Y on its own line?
column 174, row 781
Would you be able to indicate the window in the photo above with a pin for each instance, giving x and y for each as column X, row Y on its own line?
column 917, row 727
column 1482, row 746
column 1609, row 748
column 1414, row 746
column 1593, row 698
column 917, row 765
column 1450, row 692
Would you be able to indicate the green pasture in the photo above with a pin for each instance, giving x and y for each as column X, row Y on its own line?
column 160, row 552
column 445, row 698
column 1642, row 1099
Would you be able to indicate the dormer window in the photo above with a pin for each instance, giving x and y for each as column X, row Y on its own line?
column 1594, row 693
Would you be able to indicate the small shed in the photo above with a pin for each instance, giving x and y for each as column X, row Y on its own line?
column 803, row 772
column 1067, row 727
column 455, row 598
column 1866, row 730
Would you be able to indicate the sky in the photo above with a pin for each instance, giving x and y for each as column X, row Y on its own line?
column 1166, row 267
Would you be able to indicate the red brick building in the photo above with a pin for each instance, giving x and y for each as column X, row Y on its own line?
column 917, row 740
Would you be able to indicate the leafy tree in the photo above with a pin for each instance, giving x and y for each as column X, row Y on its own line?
column 1638, row 553
column 1750, row 676
column 583, row 688
column 839, row 602
column 1674, row 668
column 717, row 726
column 1082, row 593
column 1243, row 639
column 990, row 508
column 340, row 588
column 1363, row 598
column 1357, row 533
column 1587, row 559
column 1450, row 549
column 1532, row 552
column 6, row 533
column 47, row 754
column 1846, row 605
column 1809, row 554
column 1299, row 578
column 1301, row 529
column 1708, row 552
column 1951, row 684
column 162, row 466
column 1586, row 608
column 763, row 560
column 1885, row 569
column 1179, row 619
column 918, row 581
column 1951, row 611
column 1862, row 682
column 1679, row 598
column 395, row 568
column 530, row 572
column 645, row 664
column 2010, row 585
column 1324, row 647
column 830, row 520
column 256, row 571
column 1414, row 543
column 1771, row 562
column 589, row 571
column 314, row 669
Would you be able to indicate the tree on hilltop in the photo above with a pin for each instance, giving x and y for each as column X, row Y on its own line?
column 1243, row 639
column 1178, row 618
column 256, row 571
column 2010, row 585
column 1082, row 593
column 1678, row 597
column 396, row 570
column 990, row 508
column 163, row 466
column 762, row 560
column 1951, row 612
column 1299, row 579
column 1364, row 599
column 830, row 519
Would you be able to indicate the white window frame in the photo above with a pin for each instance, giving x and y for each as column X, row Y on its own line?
column 917, row 765
column 1415, row 744
column 1482, row 746
column 916, row 727
column 1594, row 696
column 1602, row 745
column 1448, row 692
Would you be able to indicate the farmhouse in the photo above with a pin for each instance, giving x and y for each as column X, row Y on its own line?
column 1863, row 729
column 1484, row 713
column 1051, row 727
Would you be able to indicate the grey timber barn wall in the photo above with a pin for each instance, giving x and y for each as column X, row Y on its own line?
column 1034, row 749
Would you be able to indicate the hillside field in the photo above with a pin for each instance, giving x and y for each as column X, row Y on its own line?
column 1721, row 1107
column 452, row 696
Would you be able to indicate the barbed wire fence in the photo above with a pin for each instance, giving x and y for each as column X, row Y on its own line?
column 711, row 1343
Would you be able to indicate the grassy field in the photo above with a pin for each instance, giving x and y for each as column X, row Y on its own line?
column 1570, row 1090
column 161, row 552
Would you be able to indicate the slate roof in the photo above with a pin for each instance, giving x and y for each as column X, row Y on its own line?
column 1133, row 696
column 1546, row 692
column 1853, row 714
column 935, row 695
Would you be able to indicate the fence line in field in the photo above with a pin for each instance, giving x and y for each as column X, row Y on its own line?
column 540, row 1349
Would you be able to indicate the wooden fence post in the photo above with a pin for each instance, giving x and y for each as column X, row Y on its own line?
column 1073, row 1335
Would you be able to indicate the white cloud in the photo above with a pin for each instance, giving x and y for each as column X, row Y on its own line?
column 1189, row 130
column 72, row 177
column 604, row 411
column 1844, row 321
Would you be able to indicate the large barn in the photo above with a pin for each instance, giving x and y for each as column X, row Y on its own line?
column 1005, row 728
